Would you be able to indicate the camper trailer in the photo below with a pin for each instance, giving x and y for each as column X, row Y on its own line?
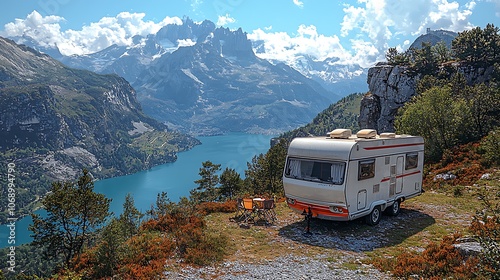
column 343, row 176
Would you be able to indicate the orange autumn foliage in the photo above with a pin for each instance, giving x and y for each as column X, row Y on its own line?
column 206, row 208
column 178, row 234
column 463, row 161
column 437, row 261
column 146, row 256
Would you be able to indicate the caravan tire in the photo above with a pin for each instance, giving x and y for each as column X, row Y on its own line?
column 374, row 217
column 394, row 209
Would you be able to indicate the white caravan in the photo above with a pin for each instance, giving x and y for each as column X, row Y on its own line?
column 343, row 177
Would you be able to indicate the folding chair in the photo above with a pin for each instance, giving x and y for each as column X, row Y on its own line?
column 268, row 211
column 240, row 209
column 249, row 210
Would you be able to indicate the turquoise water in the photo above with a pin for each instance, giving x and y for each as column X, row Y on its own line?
column 177, row 179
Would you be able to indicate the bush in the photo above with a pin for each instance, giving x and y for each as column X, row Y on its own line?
column 146, row 256
column 192, row 242
column 206, row 208
column 486, row 227
column 490, row 147
column 210, row 249
column 437, row 261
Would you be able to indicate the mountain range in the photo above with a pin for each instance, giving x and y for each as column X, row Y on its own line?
column 56, row 120
column 204, row 79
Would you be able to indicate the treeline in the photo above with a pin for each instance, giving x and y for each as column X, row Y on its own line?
column 448, row 112
column 476, row 47
column 80, row 239
column 262, row 176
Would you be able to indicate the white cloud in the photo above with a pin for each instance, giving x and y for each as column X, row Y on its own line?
column 378, row 21
column 378, row 18
column 91, row 38
column 298, row 3
column 281, row 46
column 46, row 30
column 223, row 20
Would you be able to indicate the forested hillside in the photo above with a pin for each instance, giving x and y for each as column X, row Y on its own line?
column 342, row 114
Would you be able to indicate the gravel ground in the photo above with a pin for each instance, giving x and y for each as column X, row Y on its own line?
column 288, row 267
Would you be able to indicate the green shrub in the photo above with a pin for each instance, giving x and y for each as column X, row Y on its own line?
column 490, row 147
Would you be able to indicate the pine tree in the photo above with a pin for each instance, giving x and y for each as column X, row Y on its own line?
column 74, row 213
column 130, row 218
column 207, row 186
column 231, row 183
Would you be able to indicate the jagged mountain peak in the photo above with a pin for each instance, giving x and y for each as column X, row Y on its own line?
column 233, row 43
column 187, row 30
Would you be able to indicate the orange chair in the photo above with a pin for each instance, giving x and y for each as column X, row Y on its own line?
column 248, row 211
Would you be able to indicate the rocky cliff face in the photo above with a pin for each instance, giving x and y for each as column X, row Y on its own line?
column 390, row 87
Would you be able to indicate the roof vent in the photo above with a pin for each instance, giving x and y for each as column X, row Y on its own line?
column 367, row 133
column 341, row 133
column 388, row 135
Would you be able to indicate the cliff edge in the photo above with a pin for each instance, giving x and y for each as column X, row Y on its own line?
column 391, row 86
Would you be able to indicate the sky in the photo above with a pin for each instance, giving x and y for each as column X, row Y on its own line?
column 355, row 31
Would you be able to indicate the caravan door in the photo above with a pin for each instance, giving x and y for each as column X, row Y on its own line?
column 399, row 174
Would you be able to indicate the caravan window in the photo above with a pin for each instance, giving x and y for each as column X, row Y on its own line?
column 411, row 161
column 366, row 169
column 311, row 170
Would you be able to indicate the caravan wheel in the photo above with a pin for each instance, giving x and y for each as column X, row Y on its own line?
column 374, row 217
column 394, row 209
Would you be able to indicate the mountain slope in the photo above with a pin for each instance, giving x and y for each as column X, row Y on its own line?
column 433, row 37
column 219, row 85
column 342, row 114
column 55, row 120
column 338, row 78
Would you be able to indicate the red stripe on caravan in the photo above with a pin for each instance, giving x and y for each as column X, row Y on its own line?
column 401, row 176
column 392, row 146
column 318, row 210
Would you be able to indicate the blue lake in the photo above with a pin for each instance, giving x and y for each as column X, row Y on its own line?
column 233, row 150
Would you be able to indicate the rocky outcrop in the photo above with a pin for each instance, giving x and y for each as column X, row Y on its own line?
column 233, row 43
column 390, row 87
